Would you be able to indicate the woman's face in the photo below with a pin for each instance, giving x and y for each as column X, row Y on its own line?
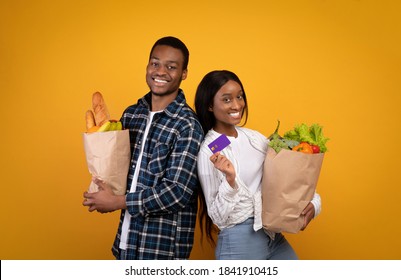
column 228, row 106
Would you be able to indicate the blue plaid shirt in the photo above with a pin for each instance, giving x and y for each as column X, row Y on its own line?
column 164, row 205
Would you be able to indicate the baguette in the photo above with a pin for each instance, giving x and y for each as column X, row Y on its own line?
column 101, row 113
column 90, row 120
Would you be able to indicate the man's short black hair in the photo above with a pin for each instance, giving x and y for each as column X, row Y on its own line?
column 174, row 43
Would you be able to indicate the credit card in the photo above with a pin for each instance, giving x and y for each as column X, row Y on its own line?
column 219, row 143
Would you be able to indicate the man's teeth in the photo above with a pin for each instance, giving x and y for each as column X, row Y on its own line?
column 160, row 81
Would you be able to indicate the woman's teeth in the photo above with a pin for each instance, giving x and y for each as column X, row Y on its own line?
column 234, row 114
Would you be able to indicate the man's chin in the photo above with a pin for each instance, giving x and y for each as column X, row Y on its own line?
column 162, row 93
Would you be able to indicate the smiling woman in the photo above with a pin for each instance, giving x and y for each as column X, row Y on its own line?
column 231, row 186
column 228, row 106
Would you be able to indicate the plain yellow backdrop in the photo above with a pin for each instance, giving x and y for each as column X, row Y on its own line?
column 337, row 63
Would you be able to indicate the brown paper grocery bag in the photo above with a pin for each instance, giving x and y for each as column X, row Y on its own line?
column 108, row 156
column 288, row 185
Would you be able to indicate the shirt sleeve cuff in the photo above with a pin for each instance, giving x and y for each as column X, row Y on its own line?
column 228, row 191
column 317, row 204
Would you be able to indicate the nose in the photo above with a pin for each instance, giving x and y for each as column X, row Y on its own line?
column 236, row 104
column 161, row 70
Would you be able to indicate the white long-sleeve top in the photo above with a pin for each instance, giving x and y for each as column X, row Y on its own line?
column 229, row 206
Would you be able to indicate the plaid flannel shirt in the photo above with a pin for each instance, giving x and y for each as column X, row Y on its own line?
column 164, row 205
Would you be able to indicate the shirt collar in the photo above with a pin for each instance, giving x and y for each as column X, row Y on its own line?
column 172, row 109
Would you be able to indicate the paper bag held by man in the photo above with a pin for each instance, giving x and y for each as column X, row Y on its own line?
column 107, row 147
column 108, row 158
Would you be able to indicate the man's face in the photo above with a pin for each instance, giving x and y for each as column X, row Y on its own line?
column 164, row 72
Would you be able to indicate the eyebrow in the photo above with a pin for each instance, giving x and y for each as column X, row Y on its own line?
column 226, row 93
column 168, row 61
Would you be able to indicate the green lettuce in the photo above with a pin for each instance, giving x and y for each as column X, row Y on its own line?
column 312, row 135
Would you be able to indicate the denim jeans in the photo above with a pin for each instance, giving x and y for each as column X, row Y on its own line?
column 241, row 242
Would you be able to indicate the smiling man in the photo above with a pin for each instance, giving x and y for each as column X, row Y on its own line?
column 158, row 212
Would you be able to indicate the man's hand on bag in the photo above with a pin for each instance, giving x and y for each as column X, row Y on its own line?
column 104, row 200
column 308, row 213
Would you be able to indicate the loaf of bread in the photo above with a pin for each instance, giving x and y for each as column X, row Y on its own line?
column 90, row 120
column 100, row 110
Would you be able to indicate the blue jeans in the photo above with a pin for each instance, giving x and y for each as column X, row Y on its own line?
column 241, row 242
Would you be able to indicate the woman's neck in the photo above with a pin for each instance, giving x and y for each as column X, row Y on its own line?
column 229, row 131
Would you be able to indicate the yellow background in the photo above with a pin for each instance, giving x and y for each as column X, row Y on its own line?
column 336, row 62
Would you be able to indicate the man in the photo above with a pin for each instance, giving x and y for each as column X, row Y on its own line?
column 159, row 210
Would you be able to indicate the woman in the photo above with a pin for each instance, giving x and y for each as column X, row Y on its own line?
column 231, row 179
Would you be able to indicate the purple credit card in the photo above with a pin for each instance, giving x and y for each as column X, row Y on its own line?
column 219, row 143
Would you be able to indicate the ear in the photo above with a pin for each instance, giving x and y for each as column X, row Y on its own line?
column 184, row 74
column 210, row 108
